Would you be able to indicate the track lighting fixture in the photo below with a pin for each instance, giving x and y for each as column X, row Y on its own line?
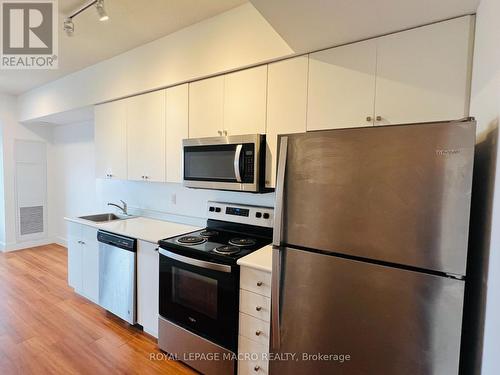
column 103, row 16
column 69, row 26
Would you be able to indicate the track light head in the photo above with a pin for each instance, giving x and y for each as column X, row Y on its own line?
column 69, row 26
column 103, row 16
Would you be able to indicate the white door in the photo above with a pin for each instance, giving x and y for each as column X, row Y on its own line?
column 206, row 103
column 177, row 114
column 245, row 101
column 111, row 140
column 90, row 263
column 342, row 86
column 146, row 137
column 423, row 74
column 147, row 286
column 286, row 106
column 75, row 254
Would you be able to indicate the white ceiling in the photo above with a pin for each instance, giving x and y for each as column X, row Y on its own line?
column 307, row 25
column 132, row 23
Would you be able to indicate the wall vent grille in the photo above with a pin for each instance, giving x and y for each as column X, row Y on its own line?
column 31, row 220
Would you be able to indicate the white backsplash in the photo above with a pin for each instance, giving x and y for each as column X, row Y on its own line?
column 167, row 201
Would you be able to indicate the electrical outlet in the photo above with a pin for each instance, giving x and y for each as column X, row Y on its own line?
column 173, row 198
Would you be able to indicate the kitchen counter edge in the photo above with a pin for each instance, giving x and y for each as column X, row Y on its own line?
column 261, row 259
column 119, row 227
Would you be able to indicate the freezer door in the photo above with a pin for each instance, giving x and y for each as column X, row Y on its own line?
column 387, row 320
column 400, row 194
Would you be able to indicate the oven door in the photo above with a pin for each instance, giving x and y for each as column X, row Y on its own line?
column 226, row 163
column 200, row 296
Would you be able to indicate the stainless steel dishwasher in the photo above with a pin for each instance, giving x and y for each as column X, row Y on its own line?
column 117, row 275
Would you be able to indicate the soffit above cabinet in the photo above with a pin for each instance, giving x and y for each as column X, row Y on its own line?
column 315, row 24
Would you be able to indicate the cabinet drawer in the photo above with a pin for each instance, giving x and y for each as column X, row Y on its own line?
column 255, row 329
column 255, row 281
column 252, row 357
column 255, row 305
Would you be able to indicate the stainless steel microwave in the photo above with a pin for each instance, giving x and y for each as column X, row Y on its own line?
column 225, row 163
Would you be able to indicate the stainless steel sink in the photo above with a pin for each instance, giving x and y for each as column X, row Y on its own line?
column 99, row 218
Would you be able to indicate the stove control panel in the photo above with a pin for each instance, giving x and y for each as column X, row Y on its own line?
column 239, row 213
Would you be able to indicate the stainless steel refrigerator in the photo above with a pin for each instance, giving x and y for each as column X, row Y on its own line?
column 370, row 249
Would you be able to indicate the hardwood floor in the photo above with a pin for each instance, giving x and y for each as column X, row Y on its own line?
column 45, row 328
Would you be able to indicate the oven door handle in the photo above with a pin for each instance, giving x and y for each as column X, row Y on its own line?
column 196, row 262
column 237, row 156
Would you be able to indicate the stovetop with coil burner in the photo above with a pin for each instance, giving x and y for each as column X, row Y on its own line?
column 225, row 241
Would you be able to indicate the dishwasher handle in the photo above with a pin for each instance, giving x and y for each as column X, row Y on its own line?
column 116, row 240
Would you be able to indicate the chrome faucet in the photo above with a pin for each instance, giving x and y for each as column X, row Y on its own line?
column 124, row 208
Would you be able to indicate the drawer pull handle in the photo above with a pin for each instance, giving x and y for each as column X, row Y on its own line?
column 258, row 308
column 257, row 333
column 256, row 368
column 259, row 283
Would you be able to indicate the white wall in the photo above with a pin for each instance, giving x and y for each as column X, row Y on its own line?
column 485, row 230
column 237, row 38
column 73, row 187
column 12, row 130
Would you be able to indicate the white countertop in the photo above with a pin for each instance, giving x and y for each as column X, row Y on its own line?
column 142, row 228
column 261, row 259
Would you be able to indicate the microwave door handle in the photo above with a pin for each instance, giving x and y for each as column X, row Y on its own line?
column 237, row 156
column 196, row 262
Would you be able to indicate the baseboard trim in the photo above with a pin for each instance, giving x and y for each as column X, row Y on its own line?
column 6, row 248
column 61, row 241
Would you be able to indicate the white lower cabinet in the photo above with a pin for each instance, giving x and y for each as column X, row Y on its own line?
column 255, row 329
column 147, row 286
column 83, row 273
column 83, row 260
column 254, row 326
column 255, row 361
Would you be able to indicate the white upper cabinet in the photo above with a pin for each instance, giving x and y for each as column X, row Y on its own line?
column 110, row 140
column 206, row 108
column 245, row 101
column 286, row 106
column 146, row 137
column 423, row 74
column 342, row 86
column 177, row 113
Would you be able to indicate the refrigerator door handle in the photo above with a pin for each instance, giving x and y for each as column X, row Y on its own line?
column 280, row 182
column 277, row 236
column 275, row 301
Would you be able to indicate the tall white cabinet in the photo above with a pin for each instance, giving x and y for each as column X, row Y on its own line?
column 177, row 116
column 231, row 104
column 111, row 140
column 148, row 286
column 206, row 108
column 146, row 137
column 424, row 74
column 342, row 86
column 245, row 101
column 286, row 106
